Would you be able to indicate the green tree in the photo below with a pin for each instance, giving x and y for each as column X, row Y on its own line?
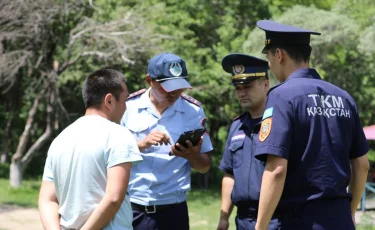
column 65, row 35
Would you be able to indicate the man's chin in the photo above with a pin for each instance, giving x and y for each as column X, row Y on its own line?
column 245, row 106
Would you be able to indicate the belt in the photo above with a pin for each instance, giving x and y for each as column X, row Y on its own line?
column 152, row 208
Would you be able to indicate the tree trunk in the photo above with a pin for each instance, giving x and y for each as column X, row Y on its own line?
column 3, row 157
column 16, row 167
column 15, row 174
column 5, row 150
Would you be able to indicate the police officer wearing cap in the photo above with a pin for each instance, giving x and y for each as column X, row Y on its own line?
column 157, row 117
column 311, row 139
column 242, row 172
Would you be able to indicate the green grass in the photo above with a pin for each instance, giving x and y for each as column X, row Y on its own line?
column 204, row 205
column 366, row 223
column 25, row 196
column 204, row 209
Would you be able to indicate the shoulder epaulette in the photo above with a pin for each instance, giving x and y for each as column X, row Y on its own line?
column 139, row 92
column 191, row 99
column 237, row 117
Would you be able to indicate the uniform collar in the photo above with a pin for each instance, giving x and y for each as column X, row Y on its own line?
column 304, row 73
column 145, row 102
column 247, row 121
column 299, row 73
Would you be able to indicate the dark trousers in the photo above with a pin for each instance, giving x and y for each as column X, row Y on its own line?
column 248, row 223
column 172, row 217
column 318, row 215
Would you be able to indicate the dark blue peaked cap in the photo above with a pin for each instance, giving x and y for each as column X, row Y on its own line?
column 280, row 34
column 170, row 70
column 244, row 68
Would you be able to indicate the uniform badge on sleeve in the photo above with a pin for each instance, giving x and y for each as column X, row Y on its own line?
column 265, row 129
column 204, row 124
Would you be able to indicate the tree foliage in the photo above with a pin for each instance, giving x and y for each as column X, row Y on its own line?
column 48, row 47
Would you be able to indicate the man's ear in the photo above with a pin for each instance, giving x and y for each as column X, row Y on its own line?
column 149, row 80
column 282, row 55
column 108, row 100
column 267, row 84
column 279, row 55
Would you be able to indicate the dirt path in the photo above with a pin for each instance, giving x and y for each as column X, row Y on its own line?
column 18, row 218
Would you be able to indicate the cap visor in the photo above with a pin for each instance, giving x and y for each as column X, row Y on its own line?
column 175, row 84
column 264, row 50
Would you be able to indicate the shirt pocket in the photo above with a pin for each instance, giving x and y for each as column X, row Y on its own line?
column 174, row 134
column 236, row 148
column 139, row 131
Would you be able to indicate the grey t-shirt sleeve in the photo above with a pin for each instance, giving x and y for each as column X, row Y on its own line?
column 122, row 147
column 48, row 172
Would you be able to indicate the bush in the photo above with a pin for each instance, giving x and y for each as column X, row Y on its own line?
column 4, row 170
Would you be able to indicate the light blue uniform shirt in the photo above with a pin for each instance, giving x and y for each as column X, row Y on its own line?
column 160, row 178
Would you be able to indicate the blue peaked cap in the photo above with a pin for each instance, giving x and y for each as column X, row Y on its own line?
column 244, row 68
column 170, row 70
column 281, row 34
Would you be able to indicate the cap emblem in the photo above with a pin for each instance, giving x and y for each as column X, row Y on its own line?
column 238, row 69
column 175, row 69
column 267, row 42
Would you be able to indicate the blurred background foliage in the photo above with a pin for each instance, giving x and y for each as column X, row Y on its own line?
column 202, row 32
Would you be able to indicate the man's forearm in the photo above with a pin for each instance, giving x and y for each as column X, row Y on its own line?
column 102, row 214
column 226, row 194
column 49, row 215
column 117, row 185
column 141, row 145
column 272, row 187
column 201, row 163
column 357, row 183
column 49, row 206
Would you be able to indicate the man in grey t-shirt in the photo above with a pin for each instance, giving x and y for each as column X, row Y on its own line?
column 88, row 165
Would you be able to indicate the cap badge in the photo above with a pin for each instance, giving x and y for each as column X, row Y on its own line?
column 267, row 42
column 175, row 69
column 238, row 69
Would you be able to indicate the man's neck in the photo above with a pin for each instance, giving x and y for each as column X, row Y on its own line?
column 160, row 108
column 258, row 112
column 292, row 67
column 95, row 111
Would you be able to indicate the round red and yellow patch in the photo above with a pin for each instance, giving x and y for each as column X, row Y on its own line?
column 265, row 129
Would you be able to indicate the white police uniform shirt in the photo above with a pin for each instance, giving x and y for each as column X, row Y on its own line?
column 77, row 164
column 160, row 178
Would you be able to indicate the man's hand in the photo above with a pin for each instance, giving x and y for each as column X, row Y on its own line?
column 353, row 218
column 154, row 138
column 223, row 224
column 198, row 161
column 189, row 153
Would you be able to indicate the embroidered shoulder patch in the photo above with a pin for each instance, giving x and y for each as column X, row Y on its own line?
column 191, row 99
column 267, row 113
column 139, row 92
column 265, row 129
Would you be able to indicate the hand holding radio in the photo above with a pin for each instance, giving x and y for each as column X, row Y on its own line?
column 188, row 144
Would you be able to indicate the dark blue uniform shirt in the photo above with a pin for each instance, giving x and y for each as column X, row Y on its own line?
column 315, row 126
column 239, row 161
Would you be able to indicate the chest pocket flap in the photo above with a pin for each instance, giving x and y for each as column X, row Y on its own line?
column 236, row 148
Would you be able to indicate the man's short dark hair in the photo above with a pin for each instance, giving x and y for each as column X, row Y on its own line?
column 298, row 53
column 262, row 79
column 100, row 83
